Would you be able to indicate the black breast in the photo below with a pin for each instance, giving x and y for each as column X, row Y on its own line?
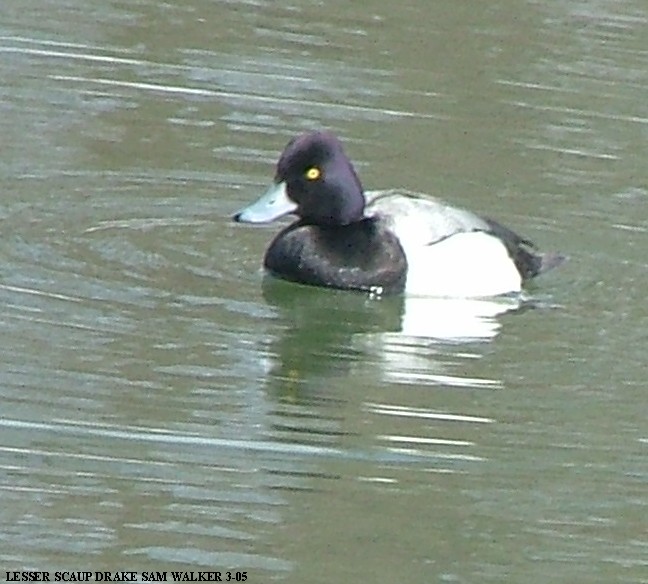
column 359, row 256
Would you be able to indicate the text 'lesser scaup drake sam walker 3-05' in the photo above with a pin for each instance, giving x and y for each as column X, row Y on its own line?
column 383, row 241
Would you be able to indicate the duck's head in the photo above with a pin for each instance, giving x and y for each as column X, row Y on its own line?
column 315, row 181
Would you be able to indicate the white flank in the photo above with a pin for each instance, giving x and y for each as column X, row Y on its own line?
column 464, row 265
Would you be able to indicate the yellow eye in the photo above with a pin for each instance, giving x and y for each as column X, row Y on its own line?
column 313, row 173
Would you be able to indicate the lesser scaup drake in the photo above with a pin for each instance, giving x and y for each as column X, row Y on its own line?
column 382, row 241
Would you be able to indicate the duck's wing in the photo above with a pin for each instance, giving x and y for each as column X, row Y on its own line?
column 421, row 220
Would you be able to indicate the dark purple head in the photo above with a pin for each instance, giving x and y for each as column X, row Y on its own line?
column 321, row 180
column 314, row 180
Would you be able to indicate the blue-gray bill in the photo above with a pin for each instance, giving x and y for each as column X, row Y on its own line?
column 274, row 203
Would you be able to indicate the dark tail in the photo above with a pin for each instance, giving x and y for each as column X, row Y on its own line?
column 550, row 260
column 529, row 262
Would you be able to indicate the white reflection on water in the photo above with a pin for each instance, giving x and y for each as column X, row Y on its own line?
column 269, row 102
column 412, row 340
column 454, row 319
column 407, row 355
column 408, row 412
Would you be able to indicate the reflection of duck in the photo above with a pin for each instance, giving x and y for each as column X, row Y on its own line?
column 430, row 329
column 309, row 311
column 400, row 336
column 384, row 241
column 317, row 345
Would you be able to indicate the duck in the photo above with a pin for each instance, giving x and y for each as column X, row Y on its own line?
column 383, row 241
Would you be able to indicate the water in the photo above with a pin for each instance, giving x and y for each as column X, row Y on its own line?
column 166, row 407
